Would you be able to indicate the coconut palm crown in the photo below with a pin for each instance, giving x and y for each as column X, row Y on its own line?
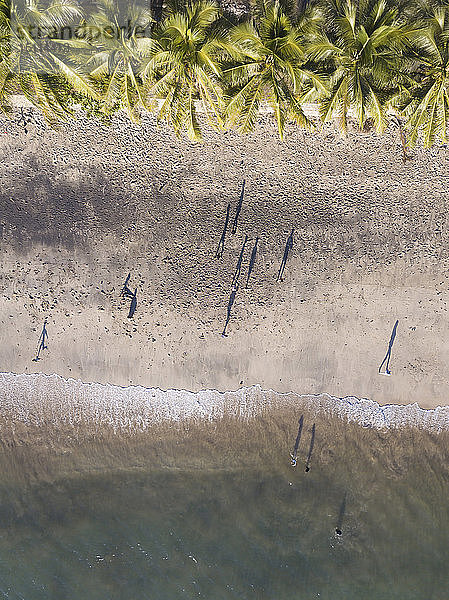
column 426, row 105
column 110, row 45
column 31, row 61
column 272, row 68
column 184, row 67
column 360, row 48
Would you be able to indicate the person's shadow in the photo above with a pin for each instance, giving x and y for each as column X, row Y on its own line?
column 388, row 354
column 288, row 247
column 42, row 342
column 341, row 516
column 230, row 305
column 238, row 268
column 221, row 243
column 133, row 305
column 312, row 443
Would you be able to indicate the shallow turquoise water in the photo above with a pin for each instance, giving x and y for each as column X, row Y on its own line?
column 241, row 525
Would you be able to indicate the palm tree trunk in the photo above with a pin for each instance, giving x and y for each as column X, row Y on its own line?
column 405, row 155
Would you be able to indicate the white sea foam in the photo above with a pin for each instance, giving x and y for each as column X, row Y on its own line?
column 38, row 399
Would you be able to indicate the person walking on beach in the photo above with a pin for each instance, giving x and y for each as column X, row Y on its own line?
column 231, row 301
column 388, row 354
column 252, row 260
column 294, row 454
column 238, row 268
column 42, row 341
column 221, row 243
column 239, row 208
column 288, row 247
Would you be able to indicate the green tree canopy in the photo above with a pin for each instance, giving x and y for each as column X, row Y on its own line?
column 426, row 105
column 31, row 60
column 272, row 67
column 111, row 45
column 360, row 48
column 184, row 66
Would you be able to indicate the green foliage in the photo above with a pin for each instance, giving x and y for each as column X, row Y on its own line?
column 31, row 60
column 357, row 58
column 110, row 45
column 183, row 67
column 92, row 107
column 272, row 66
column 360, row 47
column 426, row 104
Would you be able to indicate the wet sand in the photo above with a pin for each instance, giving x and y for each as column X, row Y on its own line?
column 218, row 505
column 82, row 207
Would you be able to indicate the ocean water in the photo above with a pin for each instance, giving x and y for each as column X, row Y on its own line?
column 124, row 493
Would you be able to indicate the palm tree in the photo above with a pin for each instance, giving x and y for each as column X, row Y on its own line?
column 111, row 44
column 426, row 105
column 31, row 62
column 272, row 67
column 184, row 66
column 360, row 47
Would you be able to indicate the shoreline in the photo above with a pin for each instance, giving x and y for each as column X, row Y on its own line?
column 38, row 399
column 94, row 203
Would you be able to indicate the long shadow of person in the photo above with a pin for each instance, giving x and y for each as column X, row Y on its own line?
column 238, row 267
column 42, row 341
column 221, row 243
column 288, row 247
column 294, row 454
column 388, row 354
column 312, row 443
column 125, row 289
column 239, row 208
column 133, row 305
column 230, row 305
column 252, row 260
column 341, row 516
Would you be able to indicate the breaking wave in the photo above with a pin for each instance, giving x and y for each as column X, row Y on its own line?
column 38, row 399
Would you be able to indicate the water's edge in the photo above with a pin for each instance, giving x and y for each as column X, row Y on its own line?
column 36, row 399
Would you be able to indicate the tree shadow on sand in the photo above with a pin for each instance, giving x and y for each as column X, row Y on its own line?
column 39, row 207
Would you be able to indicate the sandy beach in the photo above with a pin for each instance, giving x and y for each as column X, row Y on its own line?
column 84, row 206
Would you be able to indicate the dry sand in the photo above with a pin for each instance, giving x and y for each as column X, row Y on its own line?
column 84, row 206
